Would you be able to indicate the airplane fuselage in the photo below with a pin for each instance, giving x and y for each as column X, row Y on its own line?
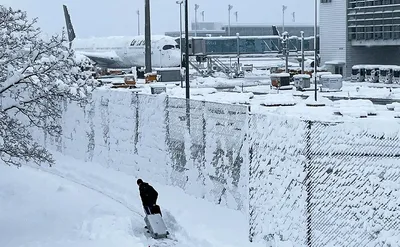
column 128, row 52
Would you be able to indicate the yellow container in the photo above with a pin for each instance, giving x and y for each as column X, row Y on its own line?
column 150, row 77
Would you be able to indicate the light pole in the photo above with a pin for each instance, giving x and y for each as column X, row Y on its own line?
column 187, row 65
column 147, row 36
column 294, row 16
column 202, row 15
column 196, row 7
column 138, row 22
column 229, row 19
column 180, row 37
column 315, row 48
column 236, row 15
column 187, row 50
column 283, row 17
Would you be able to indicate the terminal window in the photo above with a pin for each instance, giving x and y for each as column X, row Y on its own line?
column 326, row 1
column 373, row 19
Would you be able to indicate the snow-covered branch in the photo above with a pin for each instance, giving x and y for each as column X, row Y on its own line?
column 36, row 75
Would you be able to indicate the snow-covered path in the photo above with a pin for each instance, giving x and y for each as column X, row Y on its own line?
column 84, row 204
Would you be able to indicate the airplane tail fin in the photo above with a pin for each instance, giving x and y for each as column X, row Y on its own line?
column 70, row 28
column 275, row 31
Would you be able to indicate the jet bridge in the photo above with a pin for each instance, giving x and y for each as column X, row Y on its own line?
column 211, row 49
column 245, row 45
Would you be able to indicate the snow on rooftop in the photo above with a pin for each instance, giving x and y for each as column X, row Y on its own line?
column 280, row 75
column 306, row 76
column 388, row 67
column 332, row 76
column 335, row 62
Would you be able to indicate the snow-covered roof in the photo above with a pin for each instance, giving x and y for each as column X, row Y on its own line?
column 372, row 66
column 335, row 62
column 280, row 75
column 306, row 76
column 332, row 76
column 358, row 66
column 387, row 67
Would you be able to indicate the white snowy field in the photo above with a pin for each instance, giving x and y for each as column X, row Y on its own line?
column 84, row 204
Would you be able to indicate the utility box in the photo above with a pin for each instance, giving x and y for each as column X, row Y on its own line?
column 301, row 81
column 396, row 75
column 129, row 80
column 158, row 89
column 169, row 74
column 280, row 79
column 372, row 73
column 386, row 74
column 331, row 83
column 358, row 73
column 150, row 77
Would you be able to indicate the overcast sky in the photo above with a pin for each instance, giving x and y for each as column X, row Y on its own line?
column 118, row 17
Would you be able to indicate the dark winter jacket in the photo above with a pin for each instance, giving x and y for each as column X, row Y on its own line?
column 148, row 194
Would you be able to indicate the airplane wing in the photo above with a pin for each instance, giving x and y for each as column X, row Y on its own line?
column 103, row 59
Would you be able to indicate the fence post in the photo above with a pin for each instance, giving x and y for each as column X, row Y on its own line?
column 136, row 124
column 188, row 114
column 167, row 121
column 307, row 166
column 204, row 132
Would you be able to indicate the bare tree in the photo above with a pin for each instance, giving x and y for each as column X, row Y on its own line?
column 36, row 75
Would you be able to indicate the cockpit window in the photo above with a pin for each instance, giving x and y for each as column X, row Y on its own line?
column 168, row 47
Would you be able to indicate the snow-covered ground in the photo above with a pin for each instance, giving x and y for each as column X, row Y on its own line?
column 84, row 204
column 255, row 90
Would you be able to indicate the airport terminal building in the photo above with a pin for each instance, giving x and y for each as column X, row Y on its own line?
column 220, row 29
column 360, row 32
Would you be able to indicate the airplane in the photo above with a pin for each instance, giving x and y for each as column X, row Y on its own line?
column 124, row 52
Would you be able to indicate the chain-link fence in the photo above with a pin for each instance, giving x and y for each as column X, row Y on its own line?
column 324, row 184
column 308, row 182
column 209, row 141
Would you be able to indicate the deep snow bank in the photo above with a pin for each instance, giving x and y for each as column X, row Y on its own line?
column 84, row 204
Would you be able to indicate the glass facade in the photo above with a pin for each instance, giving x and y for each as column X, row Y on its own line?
column 246, row 46
column 373, row 19
column 253, row 45
column 267, row 30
